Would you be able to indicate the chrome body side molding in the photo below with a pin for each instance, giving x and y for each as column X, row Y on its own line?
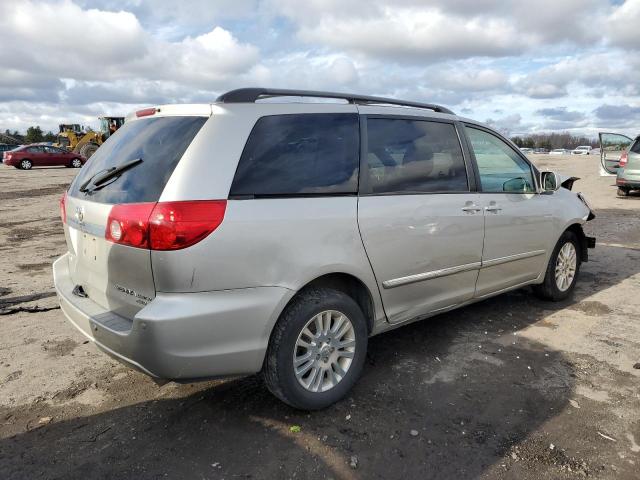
column 419, row 277
column 443, row 272
column 511, row 258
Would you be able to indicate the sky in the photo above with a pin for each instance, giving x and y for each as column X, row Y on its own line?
column 521, row 66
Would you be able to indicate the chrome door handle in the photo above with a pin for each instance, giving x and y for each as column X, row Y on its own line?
column 492, row 209
column 471, row 209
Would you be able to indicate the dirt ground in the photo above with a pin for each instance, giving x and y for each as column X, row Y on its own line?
column 512, row 387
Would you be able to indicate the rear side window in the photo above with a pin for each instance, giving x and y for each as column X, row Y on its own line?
column 300, row 154
column 414, row 156
column 160, row 142
column 635, row 147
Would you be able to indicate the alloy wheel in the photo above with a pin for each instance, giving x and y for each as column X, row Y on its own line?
column 566, row 264
column 324, row 351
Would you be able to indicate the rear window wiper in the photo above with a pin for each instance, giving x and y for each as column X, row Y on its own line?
column 99, row 180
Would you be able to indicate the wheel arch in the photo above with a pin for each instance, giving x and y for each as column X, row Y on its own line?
column 577, row 230
column 350, row 285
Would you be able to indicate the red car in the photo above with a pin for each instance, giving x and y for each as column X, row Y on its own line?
column 41, row 156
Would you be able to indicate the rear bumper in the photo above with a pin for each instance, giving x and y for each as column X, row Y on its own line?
column 181, row 336
column 628, row 179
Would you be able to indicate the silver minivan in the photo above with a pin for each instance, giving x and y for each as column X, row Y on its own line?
column 261, row 234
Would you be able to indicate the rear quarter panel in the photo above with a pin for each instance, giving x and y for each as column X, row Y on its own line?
column 271, row 243
column 280, row 242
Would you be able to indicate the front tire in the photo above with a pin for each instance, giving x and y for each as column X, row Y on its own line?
column 89, row 149
column 562, row 270
column 317, row 349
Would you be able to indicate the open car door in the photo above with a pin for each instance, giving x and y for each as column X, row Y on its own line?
column 611, row 147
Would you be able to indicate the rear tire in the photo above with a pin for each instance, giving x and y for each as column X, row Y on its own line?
column 76, row 163
column 312, row 365
column 25, row 164
column 623, row 192
column 562, row 270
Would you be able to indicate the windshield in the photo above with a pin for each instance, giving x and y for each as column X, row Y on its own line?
column 160, row 141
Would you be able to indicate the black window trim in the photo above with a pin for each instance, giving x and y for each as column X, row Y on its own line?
column 267, row 196
column 535, row 173
column 363, row 181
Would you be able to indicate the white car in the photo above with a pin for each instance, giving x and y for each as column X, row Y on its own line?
column 559, row 151
column 582, row 150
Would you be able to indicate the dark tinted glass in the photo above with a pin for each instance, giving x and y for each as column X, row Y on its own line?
column 160, row 142
column 300, row 154
column 635, row 147
column 414, row 156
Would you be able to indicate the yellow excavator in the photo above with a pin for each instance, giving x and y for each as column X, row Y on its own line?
column 74, row 138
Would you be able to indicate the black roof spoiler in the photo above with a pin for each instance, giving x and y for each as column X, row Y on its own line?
column 250, row 95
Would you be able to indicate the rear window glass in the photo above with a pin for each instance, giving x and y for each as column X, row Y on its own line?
column 635, row 147
column 160, row 142
column 414, row 156
column 300, row 154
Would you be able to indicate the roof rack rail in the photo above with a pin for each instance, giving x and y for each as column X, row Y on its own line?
column 250, row 95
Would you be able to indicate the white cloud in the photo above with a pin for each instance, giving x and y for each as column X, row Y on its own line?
column 622, row 26
column 62, row 39
column 417, row 34
column 205, row 61
column 427, row 30
column 474, row 79
column 71, row 60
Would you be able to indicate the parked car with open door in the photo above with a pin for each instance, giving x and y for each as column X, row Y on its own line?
column 628, row 174
column 612, row 146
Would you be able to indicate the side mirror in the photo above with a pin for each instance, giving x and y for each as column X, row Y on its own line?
column 550, row 181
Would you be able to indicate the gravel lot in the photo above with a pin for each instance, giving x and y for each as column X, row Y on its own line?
column 512, row 387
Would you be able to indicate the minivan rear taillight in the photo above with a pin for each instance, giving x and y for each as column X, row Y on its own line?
column 164, row 225
column 623, row 159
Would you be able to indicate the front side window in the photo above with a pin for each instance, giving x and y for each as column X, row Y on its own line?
column 414, row 156
column 313, row 154
column 501, row 168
